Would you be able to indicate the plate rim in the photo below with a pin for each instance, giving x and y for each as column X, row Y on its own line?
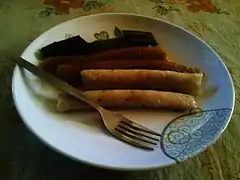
column 121, row 168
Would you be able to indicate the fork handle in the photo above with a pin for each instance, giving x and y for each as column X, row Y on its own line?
column 56, row 82
column 78, row 94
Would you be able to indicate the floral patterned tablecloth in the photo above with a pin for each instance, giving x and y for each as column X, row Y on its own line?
column 24, row 157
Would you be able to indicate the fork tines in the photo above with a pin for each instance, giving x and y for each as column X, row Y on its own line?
column 137, row 134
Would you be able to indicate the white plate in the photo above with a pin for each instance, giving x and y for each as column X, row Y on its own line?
column 80, row 136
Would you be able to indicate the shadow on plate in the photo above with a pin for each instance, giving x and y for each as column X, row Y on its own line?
column 47, row 95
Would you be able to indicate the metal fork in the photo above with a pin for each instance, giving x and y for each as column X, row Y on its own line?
column 118, row 125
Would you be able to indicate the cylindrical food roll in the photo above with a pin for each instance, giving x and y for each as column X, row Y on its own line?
column 129, row 99
column 134, row 53
column 143, row 79
column 70, row 73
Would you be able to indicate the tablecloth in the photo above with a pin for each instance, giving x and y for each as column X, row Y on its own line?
column 24, row 157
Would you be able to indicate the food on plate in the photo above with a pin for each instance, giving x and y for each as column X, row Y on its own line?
column 187, row 83
column 70, row 73
column 134, row 53
column 76, row 45
column 128, row 71
column 129, row 99
column 127, row 64
column 136, row 36
column 63, row 47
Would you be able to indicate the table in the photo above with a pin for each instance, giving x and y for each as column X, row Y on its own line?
column 24, row 157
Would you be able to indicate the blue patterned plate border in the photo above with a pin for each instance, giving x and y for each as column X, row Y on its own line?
column 191, row 133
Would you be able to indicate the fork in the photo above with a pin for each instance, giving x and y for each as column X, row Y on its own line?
column 116, row 124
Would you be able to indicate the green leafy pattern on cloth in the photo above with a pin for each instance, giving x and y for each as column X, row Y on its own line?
column 215, row 21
